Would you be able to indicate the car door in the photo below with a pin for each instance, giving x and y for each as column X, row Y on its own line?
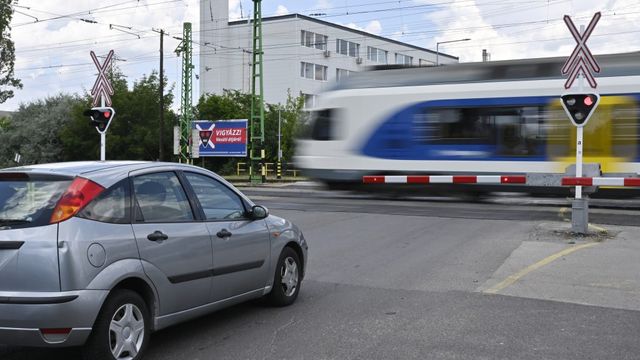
column 241, row 246
column 175, row 247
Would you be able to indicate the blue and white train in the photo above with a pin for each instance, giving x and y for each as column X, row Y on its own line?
column 500, row 117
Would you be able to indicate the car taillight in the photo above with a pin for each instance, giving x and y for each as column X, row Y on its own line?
column 80, row 193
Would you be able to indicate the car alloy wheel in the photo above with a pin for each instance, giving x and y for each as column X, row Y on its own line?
column 122, row 328
column 126, row 332
column 289, row 276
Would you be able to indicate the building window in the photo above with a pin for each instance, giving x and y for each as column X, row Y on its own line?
column 306, row 70
column 424, row 62
column 313, row 71
column 404, row 59
column 347, row 48
column 309, row 100
column 342, row 74
column 313, row 40
column 377, row 55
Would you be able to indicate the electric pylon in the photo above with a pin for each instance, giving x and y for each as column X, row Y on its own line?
column 256, row 123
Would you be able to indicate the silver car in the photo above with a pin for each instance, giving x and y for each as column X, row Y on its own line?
column 101, row 254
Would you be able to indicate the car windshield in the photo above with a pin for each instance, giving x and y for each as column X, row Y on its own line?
column 26, row 201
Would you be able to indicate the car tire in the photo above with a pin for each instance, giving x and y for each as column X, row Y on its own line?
column 287, row 279
column 116, row 333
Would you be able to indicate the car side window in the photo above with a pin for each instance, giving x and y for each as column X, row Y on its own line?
column 218, row 201
column 161, row 198
column 112, row 206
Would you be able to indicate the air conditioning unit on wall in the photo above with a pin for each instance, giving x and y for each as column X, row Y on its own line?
column 359, row 60
column 327, row 53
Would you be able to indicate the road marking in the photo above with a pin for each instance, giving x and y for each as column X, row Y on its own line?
column 598, row 228
column 517, row 276
column 562, row 213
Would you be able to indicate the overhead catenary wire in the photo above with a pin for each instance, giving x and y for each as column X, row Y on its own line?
column 406, row 34
column 237, row 51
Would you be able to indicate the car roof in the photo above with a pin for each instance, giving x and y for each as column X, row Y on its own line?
column 105, row 173
column 74, row 168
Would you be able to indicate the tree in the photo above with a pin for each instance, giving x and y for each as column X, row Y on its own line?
column 7, row 53
column 34, row 131
column 232, row 104
column 4, row 122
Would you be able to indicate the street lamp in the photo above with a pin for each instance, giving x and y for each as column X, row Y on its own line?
column 445, row 42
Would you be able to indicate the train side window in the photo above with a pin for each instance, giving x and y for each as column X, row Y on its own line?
column 454, row 126
column 515, row 130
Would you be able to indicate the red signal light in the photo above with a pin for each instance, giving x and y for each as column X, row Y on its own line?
column 107, row 114
column 588, row 101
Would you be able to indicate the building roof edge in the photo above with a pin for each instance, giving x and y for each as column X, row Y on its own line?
column 342, row 27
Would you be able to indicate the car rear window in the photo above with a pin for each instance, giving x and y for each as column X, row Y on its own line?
column 27, row 200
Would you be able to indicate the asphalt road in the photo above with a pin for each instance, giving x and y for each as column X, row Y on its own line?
column 500, row 206
column 425, row 279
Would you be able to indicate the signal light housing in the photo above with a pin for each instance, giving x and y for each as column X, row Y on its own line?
column 579, row 107
column 101, row 117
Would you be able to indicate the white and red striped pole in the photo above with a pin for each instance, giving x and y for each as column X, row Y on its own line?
column 498, row 179
column 445, row 179
column 601, row 181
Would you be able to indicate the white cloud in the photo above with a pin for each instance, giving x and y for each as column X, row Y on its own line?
column 282, row 10
column 235, row 10
column 373, row 27
column 514, row 30
column 540, row 31
column 53, row 56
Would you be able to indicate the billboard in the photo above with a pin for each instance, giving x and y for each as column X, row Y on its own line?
column 226, row 138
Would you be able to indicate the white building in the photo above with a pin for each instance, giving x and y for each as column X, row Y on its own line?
column 302, row 54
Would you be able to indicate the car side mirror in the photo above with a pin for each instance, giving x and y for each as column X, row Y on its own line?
column 259, row 212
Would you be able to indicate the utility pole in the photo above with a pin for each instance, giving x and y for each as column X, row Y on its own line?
column 161, row 119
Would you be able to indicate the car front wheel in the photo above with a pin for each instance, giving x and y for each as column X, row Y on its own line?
column 287, row 279
column 121, row 331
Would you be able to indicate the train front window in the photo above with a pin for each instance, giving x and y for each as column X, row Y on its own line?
column 322, row 125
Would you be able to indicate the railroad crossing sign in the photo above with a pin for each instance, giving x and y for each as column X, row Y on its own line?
column 580, row 106
column 102, row 89
column 581, row 60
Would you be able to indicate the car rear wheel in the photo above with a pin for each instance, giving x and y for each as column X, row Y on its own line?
column 287, row 279
column 121, row 331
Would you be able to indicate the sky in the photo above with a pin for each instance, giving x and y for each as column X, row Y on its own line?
column 53, row 38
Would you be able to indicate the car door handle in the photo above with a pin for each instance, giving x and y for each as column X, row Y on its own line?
column 157, row 236
column 224, row 233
